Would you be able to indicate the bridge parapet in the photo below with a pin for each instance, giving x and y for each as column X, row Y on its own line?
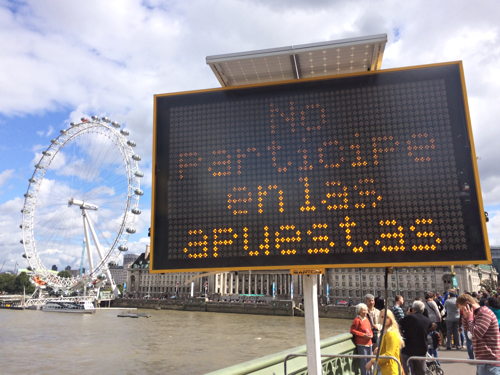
column 273, row 364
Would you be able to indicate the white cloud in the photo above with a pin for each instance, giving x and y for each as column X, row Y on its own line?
column 5, row 176
column 10, row 233
column 493, row 227
column 46, row 133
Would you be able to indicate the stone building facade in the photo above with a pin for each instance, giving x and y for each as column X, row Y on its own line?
column 410, row 282
column 119, row 273
column 143, row 284
column 337, row 284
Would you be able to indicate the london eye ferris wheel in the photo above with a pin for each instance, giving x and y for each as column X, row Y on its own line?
column 82, row 202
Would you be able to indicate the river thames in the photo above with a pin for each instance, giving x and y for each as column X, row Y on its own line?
column 169, row 342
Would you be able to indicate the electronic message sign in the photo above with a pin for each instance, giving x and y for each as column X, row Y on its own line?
column 373, row 169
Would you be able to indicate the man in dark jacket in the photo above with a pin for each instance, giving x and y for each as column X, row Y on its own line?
column 414, row 328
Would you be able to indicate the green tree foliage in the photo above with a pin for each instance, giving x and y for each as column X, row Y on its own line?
column 7, row 282
column 23, row 283
column 64, row 273
column 13, row 284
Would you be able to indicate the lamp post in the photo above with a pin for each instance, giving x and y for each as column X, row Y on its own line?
column 480, row 275
column 454, row 283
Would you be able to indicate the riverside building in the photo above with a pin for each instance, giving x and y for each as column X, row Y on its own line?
column 336, row 285
column 119, row 273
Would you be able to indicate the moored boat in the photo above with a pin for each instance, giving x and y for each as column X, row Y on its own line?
column 69, row 306
column 133, row 315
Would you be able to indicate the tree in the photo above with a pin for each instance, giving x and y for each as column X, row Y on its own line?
column 22, row 284
column 54, row 268
column 13, row 284
column 7, row 282
column 68, row 268
column 64, row 273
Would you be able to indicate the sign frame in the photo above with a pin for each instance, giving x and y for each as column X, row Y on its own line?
column 484, row 259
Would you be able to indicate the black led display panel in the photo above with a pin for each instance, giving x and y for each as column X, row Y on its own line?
column 375, row 169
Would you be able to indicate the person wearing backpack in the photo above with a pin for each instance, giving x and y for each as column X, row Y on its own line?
column 433, row 312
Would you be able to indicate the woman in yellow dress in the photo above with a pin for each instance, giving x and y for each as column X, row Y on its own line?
column 391, row 345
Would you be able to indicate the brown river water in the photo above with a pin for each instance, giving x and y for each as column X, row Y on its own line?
column 168, row 342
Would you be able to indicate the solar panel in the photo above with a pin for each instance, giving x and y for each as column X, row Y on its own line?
column 322, row 59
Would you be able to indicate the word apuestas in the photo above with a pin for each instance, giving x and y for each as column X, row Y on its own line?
column 320, row 238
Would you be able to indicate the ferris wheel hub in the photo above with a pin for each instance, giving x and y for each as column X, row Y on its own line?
column 82, row 204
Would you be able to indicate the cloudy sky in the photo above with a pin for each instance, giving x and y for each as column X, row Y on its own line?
column 61, row 59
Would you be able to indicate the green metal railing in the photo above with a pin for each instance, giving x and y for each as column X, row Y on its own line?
column 337, row 368
column 273, row 364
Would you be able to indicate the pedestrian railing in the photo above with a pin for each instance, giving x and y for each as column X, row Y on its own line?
column 272, row 364
column 350, row 356
column 452, row 360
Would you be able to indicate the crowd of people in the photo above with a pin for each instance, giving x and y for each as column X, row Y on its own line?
column 448, row 321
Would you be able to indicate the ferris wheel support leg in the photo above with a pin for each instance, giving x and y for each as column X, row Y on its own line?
column 114, row 288
column 87, row 241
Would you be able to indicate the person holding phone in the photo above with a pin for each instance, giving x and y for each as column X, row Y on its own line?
column 482, row 323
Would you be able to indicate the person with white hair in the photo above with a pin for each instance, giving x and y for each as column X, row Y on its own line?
column 415, row 327
column 361, row 330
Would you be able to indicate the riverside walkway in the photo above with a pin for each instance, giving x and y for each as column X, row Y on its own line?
column 456, row 368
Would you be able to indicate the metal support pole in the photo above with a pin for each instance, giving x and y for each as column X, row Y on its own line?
column 114, row 288
column 87, row 242
column 312, row 324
